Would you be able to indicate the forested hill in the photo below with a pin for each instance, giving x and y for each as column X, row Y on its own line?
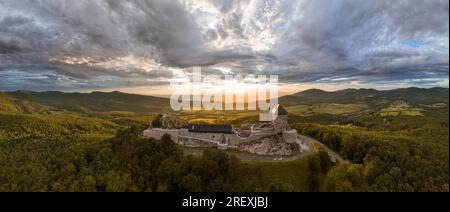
column 37, row 102
column 41, row 102
column 415, row 96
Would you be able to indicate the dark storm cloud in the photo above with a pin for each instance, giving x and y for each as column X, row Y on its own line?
column 415, row 17
column 345, row 32
column 82, row 43
column 8, row 47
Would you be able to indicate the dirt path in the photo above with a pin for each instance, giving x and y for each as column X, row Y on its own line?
column 245, row 156
column 334, row 156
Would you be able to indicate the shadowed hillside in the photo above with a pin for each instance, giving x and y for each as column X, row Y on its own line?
column 28, row 102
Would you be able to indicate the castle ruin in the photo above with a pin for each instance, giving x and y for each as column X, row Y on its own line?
column 265, row 138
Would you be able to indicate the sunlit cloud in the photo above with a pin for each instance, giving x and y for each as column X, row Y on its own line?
column 140, row 44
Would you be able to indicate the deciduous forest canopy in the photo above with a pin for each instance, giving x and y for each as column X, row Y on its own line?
column 68, row 146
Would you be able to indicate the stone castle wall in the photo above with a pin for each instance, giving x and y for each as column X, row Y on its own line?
column 158, row 133
column 290, row 136
column 258, row 132
column 191, row 139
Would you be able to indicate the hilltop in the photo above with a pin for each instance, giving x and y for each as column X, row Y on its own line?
column 308, row 102
column 29, row 102
column 412, row 95
column 352, row 101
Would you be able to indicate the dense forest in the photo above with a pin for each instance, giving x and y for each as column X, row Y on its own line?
column 386, row 154
column 53, row 141
column 128, row 162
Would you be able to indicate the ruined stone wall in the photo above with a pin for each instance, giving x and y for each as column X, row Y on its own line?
column 192, row 142
column 236, row 140
column 215, row 137
column 158, row 133
column 290, row 136
column 191, row 139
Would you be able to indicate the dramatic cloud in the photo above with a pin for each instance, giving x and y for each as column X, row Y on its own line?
column 85, row 44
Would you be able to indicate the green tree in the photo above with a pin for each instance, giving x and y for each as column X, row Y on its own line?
column 157, row 121
column 279, row 186
column 346, row 178
column 325, row 161
column 191, row 183
column 313, row 173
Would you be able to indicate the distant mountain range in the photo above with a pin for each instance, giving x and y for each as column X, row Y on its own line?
column 39, row 102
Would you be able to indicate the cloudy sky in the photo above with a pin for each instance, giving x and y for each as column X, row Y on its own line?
column 138, row 45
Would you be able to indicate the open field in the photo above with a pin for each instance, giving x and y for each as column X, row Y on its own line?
column 402, row 108
column 326, row 108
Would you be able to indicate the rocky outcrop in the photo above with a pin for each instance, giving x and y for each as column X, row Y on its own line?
column 271, row 145
column 164, row 121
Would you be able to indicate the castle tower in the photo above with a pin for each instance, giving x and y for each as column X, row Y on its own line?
column 280, row 121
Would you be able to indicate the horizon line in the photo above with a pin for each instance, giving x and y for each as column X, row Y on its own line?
column 168, row 96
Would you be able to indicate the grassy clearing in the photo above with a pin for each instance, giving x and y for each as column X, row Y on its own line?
column 263, row 175
column 218, row 117
column 326, row 108
column 401, row 109
column 294, row 174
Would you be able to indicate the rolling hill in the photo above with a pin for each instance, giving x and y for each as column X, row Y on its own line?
column 307, row 102
column 413, row 95
column 353, row 101
column 29, row 102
